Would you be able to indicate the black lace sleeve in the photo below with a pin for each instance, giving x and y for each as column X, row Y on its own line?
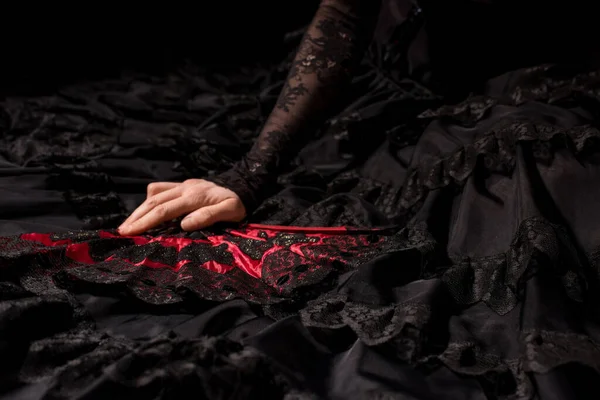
column 332, row 45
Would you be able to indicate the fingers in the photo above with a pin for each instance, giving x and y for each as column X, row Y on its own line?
column 158, row 187
column 161, row 213
column 226, row 210
column 148, row 205
column 169, row 200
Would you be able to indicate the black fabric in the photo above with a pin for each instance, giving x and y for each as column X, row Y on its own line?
column 490, row 290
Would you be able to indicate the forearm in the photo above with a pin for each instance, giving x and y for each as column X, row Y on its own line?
column 323, row 67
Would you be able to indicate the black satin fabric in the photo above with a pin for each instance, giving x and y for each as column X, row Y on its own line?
column 491, row 293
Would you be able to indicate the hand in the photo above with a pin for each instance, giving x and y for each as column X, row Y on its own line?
column 205, row 203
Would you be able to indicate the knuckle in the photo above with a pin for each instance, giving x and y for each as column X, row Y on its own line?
column 152, row 203
column 161, row 211
column 189, row 190
column 152, row 187
column 193, row 195
column 189, row 182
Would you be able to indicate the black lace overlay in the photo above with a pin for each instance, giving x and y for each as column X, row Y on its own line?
column 398, row 310
column 463, row 262
column 322, row 68
column 495, row 152
column 167, row 362
column 167, row 269
column 403, row 319
column 400, row 313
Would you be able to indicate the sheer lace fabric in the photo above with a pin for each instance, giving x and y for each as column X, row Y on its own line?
column 324, row 64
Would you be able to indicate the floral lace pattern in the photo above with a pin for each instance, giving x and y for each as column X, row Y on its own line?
column 408, row 327
column 177, row 364
column 494, row 152
column 498, row 320
column 258, row 264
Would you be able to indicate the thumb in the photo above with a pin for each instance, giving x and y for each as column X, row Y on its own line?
column 227, row 210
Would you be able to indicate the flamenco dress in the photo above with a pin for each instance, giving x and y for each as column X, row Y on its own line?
column 437, row 238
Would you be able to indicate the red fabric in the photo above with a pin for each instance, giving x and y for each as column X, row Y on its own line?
column 301, row 229
column 259, row 263
column 80, row 251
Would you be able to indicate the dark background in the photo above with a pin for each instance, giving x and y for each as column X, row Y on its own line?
column 43, row 46
column 46, row 46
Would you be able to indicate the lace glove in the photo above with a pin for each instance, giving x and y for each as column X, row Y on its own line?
column 329, row 51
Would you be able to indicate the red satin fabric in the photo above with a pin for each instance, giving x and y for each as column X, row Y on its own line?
column 80, row 251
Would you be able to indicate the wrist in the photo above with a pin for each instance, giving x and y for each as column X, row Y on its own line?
column 251, row 186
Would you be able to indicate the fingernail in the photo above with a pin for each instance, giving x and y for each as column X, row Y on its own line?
column 185, row 223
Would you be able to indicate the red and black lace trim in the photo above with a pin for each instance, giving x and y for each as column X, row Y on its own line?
column 257, row 262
